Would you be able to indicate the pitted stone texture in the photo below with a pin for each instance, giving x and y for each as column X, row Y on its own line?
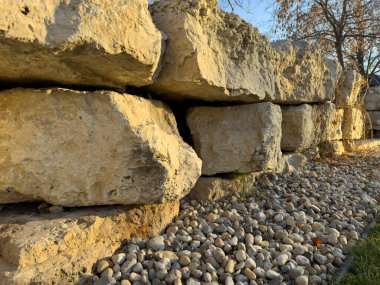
column 348, row 91
column 375, row 119
column 307, row 76
column 335, row 127
column 236, row 139
column 91, row 148
column 305, row 126
column 372, row 99
column 212, row 55
column 214, row 188
column 61, row 248
column 353, row 124
column 86, row 43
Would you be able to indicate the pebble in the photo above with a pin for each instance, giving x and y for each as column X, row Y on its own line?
column 302, row 280
column 107, row 274
column 343, row 240
column 290, row 207
column 258, row 239
column 249, row 238
column 241, row 255
column 318, row 227
column 207, row 277
column 250, row 274
column 128, row 266
column 332, row 231
column 138, row 268
column 250, row 263
column 319, row 258
column 157, row 243
column 289, row 220
column 302, row 260
column 270, row 274
column 230, row 266
column 260, row 272
column 184, row 260
column 211, row 217
column 134, row 277
column 229, row 281
column 332, row 239
column 193, row 281
column 282, row 259
column 278, row 218
column 234, row 241
column 119, row 258
column 102, row 265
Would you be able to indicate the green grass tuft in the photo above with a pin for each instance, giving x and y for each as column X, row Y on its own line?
column 365, row 268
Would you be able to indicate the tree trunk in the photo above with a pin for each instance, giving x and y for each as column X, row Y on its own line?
column 339, row 52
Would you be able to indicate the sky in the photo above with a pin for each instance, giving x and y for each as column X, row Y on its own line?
column 256, row 12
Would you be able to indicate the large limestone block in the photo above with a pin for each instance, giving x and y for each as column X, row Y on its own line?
column 91, row 148
column 236, row 139
column 85, row 43
column 348, row 91
column 212, row 55
column 375, row 119
column 307, row 76
column 61, row 248
column 305, row 126
column 372, row 100
column 353, row 124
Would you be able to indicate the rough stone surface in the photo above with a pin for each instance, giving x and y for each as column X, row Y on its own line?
column 91, row 148
column 348, row 91
column 307, row 76
column 305, row 126
column 353, row 124
column 328, row 148
column 212, row 55
column 291, row 162
column 236, row 139
column 60, row 248
column 214, row 188
column 336, row 124
column 85, row 43
column 375, row 119
column 361, row 145
column 372, row 99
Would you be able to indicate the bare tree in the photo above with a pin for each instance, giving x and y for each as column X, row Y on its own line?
column 348, row 29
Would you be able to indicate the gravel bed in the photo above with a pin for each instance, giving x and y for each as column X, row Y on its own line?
column 295, row 229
